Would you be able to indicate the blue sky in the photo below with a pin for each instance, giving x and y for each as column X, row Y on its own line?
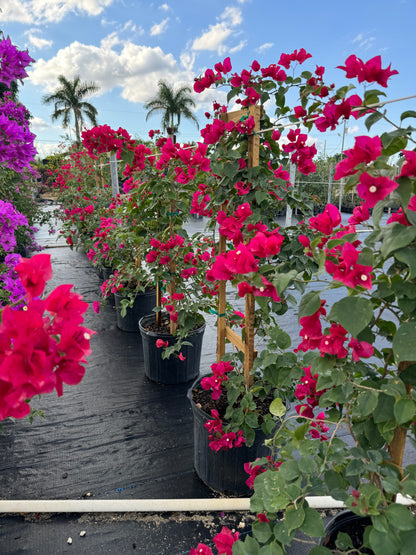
column 126, row 46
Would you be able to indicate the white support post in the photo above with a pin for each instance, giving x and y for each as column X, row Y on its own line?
column 114, row 174
column 288, row 222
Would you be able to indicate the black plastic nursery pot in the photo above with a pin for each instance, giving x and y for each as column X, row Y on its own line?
column 143, row 304
column 222, row 471
column 351, row 524
column 170, row 370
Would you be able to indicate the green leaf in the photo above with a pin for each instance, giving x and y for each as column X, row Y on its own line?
column 282, row 280
column 408, row 257
column 400, row 517
column 294, row 518
column 396, row 236
column 343, row 541
column 271, row 549
column 404, row 342
column 247, row 547
column 408, row 114
column 320, row 550
column 277, row 407
column 353, row 313
column 309, row 304
column 372, row 119
column 409, row 375
column 384, row 543
column 385, row 407
column 367, row 402
column 306, row 465
column 312, row 525
column 404, row 410
column 262, row 531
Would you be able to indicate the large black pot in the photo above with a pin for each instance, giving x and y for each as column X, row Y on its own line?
column 351, row 524
column 143, row 304
column 222, row 471
column 170, row 370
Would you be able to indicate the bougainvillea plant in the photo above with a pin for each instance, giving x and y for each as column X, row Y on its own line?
column 355, row 399
column 158, row 186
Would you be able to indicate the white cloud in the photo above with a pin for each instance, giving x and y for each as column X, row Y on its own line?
column 353, row 130
column 38, row 124
column 238, row 47
column 264, row 47
column 136, row 69
column 214, row 38
column 159, row 28
column 41, row 11
column 164, row 7
column 37, row 42
column 364, row 41
column 109, row 41
column 46, row 149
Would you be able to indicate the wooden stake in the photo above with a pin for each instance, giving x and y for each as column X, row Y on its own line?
column 223, row 331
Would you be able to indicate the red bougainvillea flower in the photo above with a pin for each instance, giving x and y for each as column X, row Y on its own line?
column 400, row 216
column 201, row 549
column 311, row 331
column 346, row 269
column 34, row 273
column 365, row 150
column 359, row 214
column 266, row 244
column 253, row 470
column 160, row 343
column 268, row 290
column 360, row 349
column 333, row 343
column 224, row 541
column 409, row 167
column 373, row 189
column 370, row 71
column 318, row 428
column 327, row 221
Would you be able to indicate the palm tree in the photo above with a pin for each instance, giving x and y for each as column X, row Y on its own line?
column 69, row 98
column 173, row 105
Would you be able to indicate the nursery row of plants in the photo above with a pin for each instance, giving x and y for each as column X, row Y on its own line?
column 354, row 366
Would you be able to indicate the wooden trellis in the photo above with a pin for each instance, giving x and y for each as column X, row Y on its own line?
column 224, row 332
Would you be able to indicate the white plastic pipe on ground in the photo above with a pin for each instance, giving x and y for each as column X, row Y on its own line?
column 153, row 505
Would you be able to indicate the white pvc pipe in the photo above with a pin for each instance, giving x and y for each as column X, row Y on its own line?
column 153, row 505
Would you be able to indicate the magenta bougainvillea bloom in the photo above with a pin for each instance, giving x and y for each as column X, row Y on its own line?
column 12, row 62
column 34, row 273
column 327, row 220
column 370, row 71
column 333, row 343
column 224, row 541
column 373, row 189
column 409, row 167
column 359, row 214
column 360, row 349
column 365, row 150
column 344, row 267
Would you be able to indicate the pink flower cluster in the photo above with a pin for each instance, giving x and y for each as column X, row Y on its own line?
column 331, row 343
column 244, row 258
column 12, row 62
column 223, row 542
column 218, row 438
column 302, row 154
column 214, row 382
column 104, row 139
column 306, row 391
column 43, row 345
column 253, row 469
column 370, row 71
column 200, row 200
